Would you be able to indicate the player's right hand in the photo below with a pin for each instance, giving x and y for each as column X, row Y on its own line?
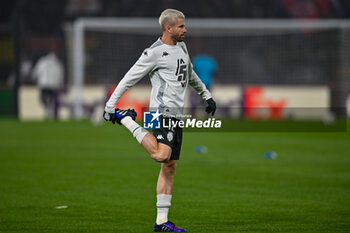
column 109, row 117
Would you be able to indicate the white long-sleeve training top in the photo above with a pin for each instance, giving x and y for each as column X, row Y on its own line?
column 170, row 71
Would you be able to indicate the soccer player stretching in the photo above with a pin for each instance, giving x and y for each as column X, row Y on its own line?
column 169, row 67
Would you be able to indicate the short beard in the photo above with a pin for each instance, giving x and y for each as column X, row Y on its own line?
column 177, row 38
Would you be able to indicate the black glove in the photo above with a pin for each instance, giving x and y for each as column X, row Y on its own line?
column 109, row 117
column 211, row 108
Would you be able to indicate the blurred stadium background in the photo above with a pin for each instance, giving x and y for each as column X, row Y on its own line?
column 273, row 54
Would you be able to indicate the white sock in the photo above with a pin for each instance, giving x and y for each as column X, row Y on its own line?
column 137, row 131
column 163, row 205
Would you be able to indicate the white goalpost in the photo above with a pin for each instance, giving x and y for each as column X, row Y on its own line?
column 124, row 25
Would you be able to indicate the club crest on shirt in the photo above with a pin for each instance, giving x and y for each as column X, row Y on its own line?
column 170, row 136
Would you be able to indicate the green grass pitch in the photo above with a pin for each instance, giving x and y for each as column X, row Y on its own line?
column 108, row 181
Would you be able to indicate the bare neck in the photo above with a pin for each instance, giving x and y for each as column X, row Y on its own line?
column 166, row 39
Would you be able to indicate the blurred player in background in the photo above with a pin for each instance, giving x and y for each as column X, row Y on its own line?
column 49, row 73
column 168, row 64
column 205, row 67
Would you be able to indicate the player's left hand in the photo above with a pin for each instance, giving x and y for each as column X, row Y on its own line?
column 211, row 108
column 109, row 117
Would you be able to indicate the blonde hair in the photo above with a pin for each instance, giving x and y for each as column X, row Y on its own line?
column 169, row 17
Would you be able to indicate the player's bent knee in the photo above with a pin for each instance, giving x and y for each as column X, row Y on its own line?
column 162, row 154
column 160, row 157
